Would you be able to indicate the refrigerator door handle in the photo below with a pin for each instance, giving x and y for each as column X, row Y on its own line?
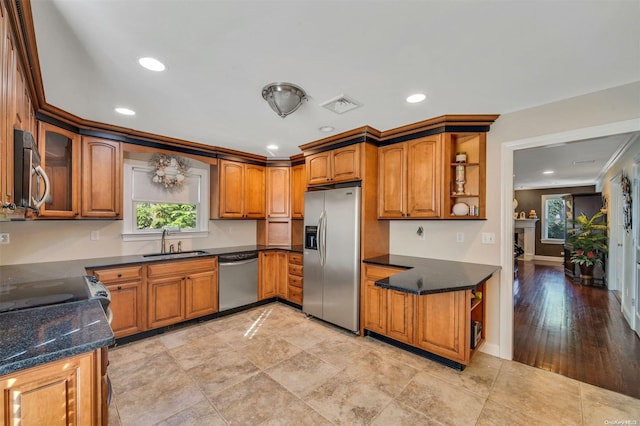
column 320, row 245
column 324, row 238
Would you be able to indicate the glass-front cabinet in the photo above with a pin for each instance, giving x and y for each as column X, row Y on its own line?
column 60, row 153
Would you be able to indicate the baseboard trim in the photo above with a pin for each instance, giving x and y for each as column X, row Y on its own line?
column 490, row 349
column 549, row 258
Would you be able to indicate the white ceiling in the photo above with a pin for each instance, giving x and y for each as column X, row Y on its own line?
column 573, row 164
column 469, row 57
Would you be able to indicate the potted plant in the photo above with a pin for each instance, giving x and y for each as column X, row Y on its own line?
column 589, row 241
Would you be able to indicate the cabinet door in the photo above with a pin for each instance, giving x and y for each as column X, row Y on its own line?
column 298, row 187
column 101, row 178
column 400, row 316
column 231, row 189
column 61, row 393
column 345, row 164
column 424, row 170
column 444, row 325
column 254, row 192
column 375, row 307
column 267, row 275
column 392, row 178
column 60, row 154
column 282, row 274
column 278, row 191
column 201, row 294
column 318, row 168
column 127, row 307
column 166, row 301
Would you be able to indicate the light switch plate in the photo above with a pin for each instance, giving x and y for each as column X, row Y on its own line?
column 5, row 238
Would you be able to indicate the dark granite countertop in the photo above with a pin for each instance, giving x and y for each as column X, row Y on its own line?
column 40, row 335
column 425, row 276
column 27, row 272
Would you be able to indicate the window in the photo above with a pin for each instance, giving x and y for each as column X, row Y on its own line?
column 150, row 207
column 554, row 220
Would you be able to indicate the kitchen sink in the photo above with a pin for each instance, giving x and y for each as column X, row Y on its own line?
column 182, row 254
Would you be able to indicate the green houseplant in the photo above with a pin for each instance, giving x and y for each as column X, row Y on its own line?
column 589, row 241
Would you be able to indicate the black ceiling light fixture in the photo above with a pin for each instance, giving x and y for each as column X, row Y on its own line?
column 283, row 98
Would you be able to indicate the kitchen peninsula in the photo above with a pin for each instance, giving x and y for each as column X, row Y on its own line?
column 435, row 308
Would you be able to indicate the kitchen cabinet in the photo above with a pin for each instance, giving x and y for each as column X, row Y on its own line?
column 101, row 178
column 278, row 192
column 60, row 155
column 181, row 290
column 334, row 166
column 443, row 326
column 15, row 103
column 127, row 288
column 464, row 175
column 410, row 179
column 63, row 392
column 386, row 312
column 298, row 187
column 272, row 274
column 295, row 277
column 241, row 190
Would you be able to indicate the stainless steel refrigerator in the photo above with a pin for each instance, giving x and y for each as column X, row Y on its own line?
column 332, row 256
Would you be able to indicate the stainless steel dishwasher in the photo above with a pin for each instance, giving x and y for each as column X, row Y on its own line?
column 238, row 280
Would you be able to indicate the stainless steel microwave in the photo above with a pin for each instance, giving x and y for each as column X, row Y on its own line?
column 31, row 184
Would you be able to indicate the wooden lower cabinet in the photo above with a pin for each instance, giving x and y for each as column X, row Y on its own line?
column 272, row 274
column 128, row 295
column 295, row 278
column 178, row 291
column 444, row 322
column 66, row 392
column 439, row 323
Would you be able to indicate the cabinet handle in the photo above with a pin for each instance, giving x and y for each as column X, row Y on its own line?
column 76, row 214
column 408, row 214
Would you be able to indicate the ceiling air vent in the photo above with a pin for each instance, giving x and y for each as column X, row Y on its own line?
column 341, row 104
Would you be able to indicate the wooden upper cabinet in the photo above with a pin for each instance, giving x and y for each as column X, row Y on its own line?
column 298, row 187
column 241, row 190
column 60, row 155
column 101, row 178
column 338, row 165
column 410, row 176
column 278, row 191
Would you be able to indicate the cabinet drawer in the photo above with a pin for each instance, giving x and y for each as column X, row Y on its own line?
column 295, row 270
column 182, row 267
column 108, row 276
column 294, row 294
column 295, row 281
column 295, row 258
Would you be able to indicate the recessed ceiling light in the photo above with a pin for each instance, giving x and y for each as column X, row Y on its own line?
column 151, row 64
column 548, row 172
column 326, row 129
column 125, row 111
column 272, row 147
column 416, row 97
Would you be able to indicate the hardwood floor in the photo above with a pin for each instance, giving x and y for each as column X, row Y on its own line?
column 573, row 330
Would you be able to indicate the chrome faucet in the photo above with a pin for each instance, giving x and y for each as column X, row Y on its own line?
column 163, row 248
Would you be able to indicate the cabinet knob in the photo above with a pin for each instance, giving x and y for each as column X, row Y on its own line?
column 117, row 213
column 76, row 214
column 119, row 275
column 408, row 214
column 119, row 287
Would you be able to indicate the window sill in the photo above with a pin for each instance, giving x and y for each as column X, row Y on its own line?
column 155, row 236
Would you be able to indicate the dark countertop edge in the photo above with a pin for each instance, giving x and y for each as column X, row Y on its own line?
column 384, row 284
column 413, row 265
column 88, row 346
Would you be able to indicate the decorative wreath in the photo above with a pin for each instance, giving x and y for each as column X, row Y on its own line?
column 169, row 171
column 626, row 200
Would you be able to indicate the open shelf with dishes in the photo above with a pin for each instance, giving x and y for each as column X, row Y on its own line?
column 464, row 176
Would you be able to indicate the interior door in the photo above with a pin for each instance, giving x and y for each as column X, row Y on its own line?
column 636, row 243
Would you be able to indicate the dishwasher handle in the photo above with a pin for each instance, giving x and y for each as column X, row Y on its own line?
column 238, row 262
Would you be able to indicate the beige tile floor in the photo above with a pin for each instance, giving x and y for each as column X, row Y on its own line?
column 273, row 366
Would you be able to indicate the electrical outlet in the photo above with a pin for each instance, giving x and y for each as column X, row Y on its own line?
column 459, row 237
column 95, row 235
column 5, row 238
column 488, row 238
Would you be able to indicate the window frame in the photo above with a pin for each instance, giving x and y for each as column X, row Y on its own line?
column 129, row 227
column 544, row 225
